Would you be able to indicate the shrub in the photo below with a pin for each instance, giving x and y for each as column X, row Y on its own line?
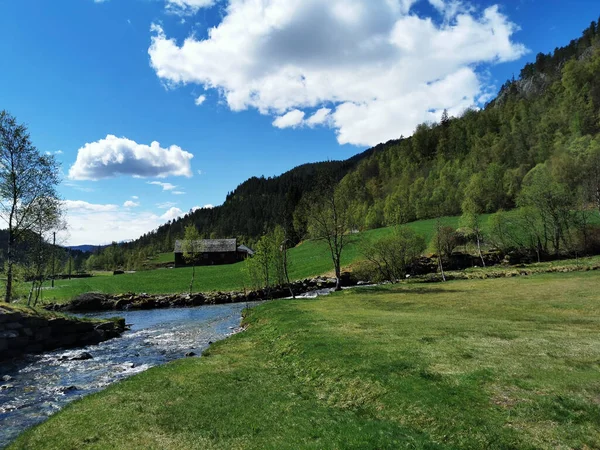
column 445, row 241
column 391, row 256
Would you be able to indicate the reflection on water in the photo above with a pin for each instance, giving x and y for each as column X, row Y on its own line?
column 37, row 386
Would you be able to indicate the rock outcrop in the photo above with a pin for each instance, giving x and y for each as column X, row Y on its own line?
column 22, row 333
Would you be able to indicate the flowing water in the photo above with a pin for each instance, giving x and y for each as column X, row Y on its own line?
column 37, row 386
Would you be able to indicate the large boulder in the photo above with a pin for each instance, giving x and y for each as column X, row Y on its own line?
column 90, row 301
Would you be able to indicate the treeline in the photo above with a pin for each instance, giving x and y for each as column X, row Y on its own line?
column 544, row 125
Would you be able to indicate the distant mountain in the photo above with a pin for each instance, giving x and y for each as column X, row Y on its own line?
column 86, row 248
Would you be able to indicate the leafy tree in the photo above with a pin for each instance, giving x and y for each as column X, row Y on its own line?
column 329, row 221
column 27, row 177
column 269, row 266
column 550, row 203
column 471, row 220
column 48, row 219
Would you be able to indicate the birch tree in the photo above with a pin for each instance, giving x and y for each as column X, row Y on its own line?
column 329, row 221
column 26, row 178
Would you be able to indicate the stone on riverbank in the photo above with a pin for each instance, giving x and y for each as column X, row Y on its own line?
column 93, row 301
column 27, row 332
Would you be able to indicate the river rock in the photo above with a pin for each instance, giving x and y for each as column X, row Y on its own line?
column 6, row 378
column 68, row 389
column 190, row 354
column 83, row 356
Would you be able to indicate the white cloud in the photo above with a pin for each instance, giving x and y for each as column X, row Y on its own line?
column 209, row 206
column 80, row 205
column 185, row 7
column 114, row 156
column 178, row 193
column 200, row 100
column 165, row 186
column 291, row 119
column 135, row 197
column 98, row 224
column 380, row 68
column 172, row 214
column 166, row 205
column 319, row 118
column 200, row 172
column 131, row 204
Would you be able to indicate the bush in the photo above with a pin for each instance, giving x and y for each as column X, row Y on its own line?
column 445, row 241
column 391, row 256
column 587, row 240
column 366, row 271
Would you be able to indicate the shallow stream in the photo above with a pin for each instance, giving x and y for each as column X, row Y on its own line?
column 35, row 387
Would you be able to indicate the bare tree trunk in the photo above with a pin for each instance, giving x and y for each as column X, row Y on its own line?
column 479, row 250
column 285, row 269
column 38, row 293
column 338, row 274
column 9, row 267
column 31, row 292
column 193, row 275
column 439, row 247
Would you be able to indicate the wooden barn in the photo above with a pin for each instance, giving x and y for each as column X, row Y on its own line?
column 213, row 252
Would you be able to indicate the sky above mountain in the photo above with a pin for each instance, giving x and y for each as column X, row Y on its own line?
column 157, row 107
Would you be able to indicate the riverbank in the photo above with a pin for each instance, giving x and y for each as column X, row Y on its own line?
column 28, row 331
column 496, row 363
column 97, row 301
column 425, row 272
column 37, row 386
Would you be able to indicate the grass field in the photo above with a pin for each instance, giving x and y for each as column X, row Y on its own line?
column 308, row 259
column 487, row 364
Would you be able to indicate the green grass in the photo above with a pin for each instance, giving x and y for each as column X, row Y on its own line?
column 486, row 364
column 163, row 258
column 40, row 312
column 308, row 259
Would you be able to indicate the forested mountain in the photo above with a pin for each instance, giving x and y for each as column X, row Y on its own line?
column 549, row 116
column 255, row 206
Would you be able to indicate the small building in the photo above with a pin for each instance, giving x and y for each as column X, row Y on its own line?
column 213, row 252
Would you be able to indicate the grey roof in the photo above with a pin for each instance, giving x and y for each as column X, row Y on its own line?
column 244, row 249
column 210, row 245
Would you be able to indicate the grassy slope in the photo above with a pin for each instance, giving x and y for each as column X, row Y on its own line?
column 308, row 259
column 511, row 363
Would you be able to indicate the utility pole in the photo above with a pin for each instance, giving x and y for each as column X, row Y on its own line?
column 53, row 254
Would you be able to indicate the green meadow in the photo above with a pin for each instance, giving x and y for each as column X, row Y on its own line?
column 476, row 364
column 309, row 259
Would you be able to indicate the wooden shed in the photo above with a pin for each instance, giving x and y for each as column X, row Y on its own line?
column 213, row 252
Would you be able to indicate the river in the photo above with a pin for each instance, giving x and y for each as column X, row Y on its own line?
column 35, row 387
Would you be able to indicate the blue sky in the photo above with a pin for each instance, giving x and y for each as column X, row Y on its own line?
column 290, row 83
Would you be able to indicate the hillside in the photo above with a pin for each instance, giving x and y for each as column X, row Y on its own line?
column 541, row 128
column 254, row 206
